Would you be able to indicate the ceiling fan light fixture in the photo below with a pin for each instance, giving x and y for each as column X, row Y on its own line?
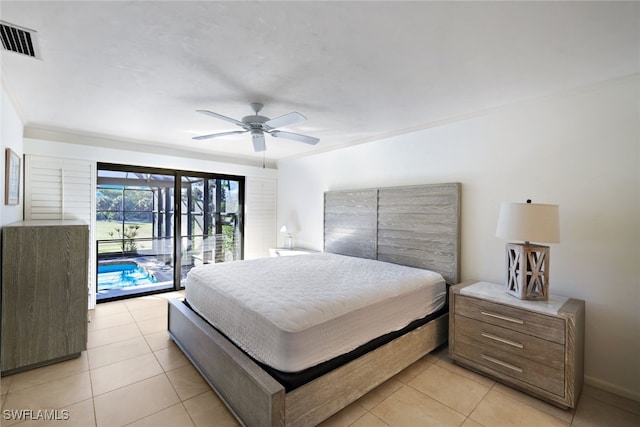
column 259, row 143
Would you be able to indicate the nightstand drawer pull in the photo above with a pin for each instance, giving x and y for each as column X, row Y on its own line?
column 503, row 340
column 501, row 363
column 508, row 319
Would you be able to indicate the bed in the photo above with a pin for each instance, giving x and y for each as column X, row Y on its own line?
column 413, row 226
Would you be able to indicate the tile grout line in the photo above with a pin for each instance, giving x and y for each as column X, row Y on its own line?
column 120, row 340
column 479, row 402
column 446, row 404
column 445, row 365
column 377, row 417
column 188, row 413
column 613, row 404
column 537, row 409
column 438, row 401
column 70, row 374
column 93, row 400
column 125, row 359
column 128, row 385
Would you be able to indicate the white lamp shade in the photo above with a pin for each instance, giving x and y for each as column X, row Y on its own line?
column 531, row 222
column 283, row 229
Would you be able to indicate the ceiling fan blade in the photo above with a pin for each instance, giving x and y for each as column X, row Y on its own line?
column 216, row 135
column 295, row 137
column 287, row 119
column 221, row 117
column 258, row 141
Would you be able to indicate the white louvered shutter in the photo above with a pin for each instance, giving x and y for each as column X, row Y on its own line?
column 260, row 217
column 61, row 188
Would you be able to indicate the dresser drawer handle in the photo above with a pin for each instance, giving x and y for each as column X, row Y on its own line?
column 508, row 319
column 501, row 363
column 503, row 340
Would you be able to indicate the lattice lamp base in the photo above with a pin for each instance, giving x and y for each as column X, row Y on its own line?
column 528, row 271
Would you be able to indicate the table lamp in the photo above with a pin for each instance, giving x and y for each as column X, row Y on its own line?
column 527, row 275
column 288, row 239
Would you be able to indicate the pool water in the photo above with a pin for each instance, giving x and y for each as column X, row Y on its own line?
column 123, row 275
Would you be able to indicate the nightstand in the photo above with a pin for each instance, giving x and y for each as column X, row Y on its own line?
column 534, row 346
column 274, row 252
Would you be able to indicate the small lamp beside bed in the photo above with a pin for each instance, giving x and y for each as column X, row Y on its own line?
column 288, row 238
column 527, row 275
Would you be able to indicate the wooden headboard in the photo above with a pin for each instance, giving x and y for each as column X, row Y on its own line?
column 417, row 226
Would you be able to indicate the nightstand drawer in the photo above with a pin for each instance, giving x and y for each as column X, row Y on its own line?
column 539, row 325
column 536, row 374
column 486, row 335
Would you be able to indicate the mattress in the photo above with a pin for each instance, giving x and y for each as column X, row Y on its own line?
column 292, row 313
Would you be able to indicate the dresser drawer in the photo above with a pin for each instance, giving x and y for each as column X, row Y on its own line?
column 536, row 374
column 487, row 335
column 535, row 324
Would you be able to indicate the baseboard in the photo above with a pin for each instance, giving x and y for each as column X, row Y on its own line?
column 612, row 388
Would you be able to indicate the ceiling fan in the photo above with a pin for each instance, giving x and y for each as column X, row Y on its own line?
column 259, row 125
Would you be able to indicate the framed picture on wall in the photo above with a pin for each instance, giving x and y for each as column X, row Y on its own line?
column 12, row 178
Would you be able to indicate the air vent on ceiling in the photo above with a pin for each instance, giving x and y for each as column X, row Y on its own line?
column 19, row 39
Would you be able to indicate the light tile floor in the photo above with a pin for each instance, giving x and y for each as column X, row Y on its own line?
column 133, row 375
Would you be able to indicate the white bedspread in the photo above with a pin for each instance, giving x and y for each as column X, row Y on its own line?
column 292, row 313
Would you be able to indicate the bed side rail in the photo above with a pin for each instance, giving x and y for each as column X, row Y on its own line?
column 254, row 397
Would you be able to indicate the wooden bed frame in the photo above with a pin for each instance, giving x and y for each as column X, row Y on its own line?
column 418, row 226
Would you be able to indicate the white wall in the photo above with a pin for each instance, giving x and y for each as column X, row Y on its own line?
column 580, row 150
column 10, row 137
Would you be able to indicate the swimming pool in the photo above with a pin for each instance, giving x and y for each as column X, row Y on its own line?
column 123, row 274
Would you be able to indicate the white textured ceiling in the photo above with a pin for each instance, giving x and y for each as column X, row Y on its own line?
column 357, row 70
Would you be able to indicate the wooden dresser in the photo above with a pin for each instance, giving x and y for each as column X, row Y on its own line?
column 44, row 293
column 534, row 346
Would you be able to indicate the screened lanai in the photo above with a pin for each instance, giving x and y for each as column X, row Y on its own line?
column 142, row 228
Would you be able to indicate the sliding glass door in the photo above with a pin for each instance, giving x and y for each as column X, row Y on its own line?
column 134, row 232
column 143, row 228
column 210, row 221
